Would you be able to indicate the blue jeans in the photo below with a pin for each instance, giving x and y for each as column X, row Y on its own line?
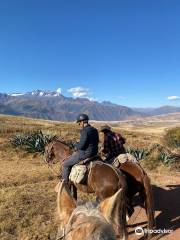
column 68, row 164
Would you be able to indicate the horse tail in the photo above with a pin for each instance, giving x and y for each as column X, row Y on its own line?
column 149, row 201
column 122, row 217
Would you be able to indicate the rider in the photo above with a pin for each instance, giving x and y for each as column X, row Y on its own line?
column 113, row 144
column 87, row 146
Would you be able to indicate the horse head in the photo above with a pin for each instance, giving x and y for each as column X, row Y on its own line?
column 87, row 221
column 56, row 151
column 49, row 152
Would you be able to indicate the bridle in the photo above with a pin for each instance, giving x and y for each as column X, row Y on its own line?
column 55, row 173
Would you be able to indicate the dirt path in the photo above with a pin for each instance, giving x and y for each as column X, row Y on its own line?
column 167, row 211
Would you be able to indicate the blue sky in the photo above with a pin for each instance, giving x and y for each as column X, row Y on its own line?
column 124, row 51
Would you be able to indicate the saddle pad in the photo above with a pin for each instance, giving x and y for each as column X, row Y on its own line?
column 122, row 158
column 78, row 173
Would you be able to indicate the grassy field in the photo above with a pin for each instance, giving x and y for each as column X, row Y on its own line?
column 27, row 197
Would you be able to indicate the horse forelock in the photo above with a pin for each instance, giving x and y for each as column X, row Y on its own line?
column 83, row 213
column 89, row 209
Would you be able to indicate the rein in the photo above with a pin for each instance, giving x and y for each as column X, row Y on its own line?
column 55, row 173
column 52, row 170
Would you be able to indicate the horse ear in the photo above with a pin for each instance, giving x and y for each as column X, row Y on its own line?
column 114, row 211
column 65, row 202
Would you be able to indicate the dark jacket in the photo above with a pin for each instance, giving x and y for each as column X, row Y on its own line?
column 88, row 144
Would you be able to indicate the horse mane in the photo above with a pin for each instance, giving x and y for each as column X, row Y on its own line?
column 60, row 139
column 89, row 209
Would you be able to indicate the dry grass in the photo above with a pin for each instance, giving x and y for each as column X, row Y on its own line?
column 27, row 197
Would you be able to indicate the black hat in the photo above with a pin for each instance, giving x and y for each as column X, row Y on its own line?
column 105, row 127
column 82, row 117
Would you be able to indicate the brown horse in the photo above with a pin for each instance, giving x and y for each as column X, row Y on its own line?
column 139, row 182
column 86, row 221
column 104, row 180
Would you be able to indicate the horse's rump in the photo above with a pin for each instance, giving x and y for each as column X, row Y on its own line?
column 138, row 181
column 105, row 180
column 133, row 169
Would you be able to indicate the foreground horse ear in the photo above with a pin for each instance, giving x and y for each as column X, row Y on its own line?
column 65, row 202
column 113, row 209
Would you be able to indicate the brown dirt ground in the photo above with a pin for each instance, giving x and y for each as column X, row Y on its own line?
column 167, row 210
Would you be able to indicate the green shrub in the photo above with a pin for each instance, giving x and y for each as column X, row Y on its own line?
column 172, row 138
column 137, row 152
column 32, row 142
column 166, row 158
column 151, row 162
column 157, row 155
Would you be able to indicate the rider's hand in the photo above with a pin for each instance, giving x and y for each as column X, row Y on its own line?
column 75, row 145
column 101, row 153
column 101, row 149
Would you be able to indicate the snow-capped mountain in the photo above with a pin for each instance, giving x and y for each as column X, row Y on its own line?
column 16, row 94
column 39, row 93
column 53, row 105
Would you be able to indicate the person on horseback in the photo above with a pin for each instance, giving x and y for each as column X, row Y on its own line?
column 87, row 147
column 112, row 144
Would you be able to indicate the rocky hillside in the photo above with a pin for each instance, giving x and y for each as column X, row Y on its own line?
column 55, row 106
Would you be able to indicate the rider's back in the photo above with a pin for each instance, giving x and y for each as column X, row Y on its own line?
column 89, row 140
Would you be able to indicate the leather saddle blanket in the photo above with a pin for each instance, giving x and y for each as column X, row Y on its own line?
column 80, row 171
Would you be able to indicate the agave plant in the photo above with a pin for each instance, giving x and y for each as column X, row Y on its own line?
column 138, row 153
column 166, row 158
column 33, row 142
column 18, row 140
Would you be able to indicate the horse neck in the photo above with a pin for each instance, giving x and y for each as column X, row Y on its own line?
column 61, row 150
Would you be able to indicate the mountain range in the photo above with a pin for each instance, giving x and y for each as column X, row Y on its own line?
column 53, row 105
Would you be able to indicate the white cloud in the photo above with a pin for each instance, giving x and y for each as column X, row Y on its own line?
column 171, row 98
column 122, row 97
column 79, row 92
column 59, row 90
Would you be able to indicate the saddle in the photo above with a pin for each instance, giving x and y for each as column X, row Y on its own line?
column 79, row 172
column 122, row 158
